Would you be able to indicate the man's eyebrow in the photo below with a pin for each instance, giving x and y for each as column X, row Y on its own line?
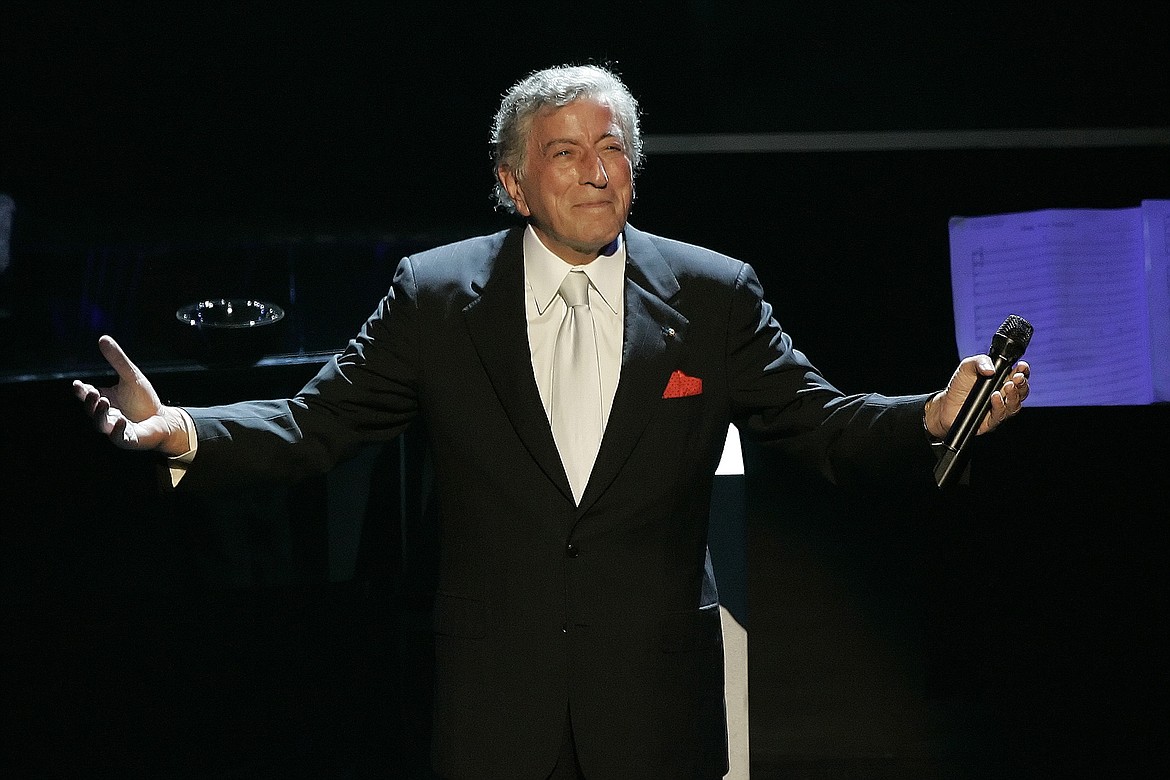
column 556, row 141
column 574, row 142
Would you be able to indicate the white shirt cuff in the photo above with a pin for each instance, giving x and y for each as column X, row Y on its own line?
column 177, row 465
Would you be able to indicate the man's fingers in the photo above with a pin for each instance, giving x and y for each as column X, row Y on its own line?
column 111, row 422
column 118, row 430
column 117, row 359
column 1023, row 386
column 100, row 411
column 88, row 395
column 996, row 411
column 1015, row 390
column 85, row 393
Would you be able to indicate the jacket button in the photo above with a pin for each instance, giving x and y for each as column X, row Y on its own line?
column 571, row 550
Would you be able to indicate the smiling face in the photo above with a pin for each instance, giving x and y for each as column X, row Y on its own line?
column 577, row 182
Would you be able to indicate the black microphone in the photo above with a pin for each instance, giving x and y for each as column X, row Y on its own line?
column 1007, row 347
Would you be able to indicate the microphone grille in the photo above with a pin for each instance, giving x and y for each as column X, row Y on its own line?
column 1017, row 329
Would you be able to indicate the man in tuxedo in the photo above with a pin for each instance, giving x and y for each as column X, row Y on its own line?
column 576, row 624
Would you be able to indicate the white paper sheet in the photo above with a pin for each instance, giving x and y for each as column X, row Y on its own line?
column 1094, row 285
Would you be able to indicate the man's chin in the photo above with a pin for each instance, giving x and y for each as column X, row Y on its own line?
column 588, row 244
column 600, row 246
column 603, row 236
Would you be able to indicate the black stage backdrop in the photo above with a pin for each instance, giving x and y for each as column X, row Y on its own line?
column 1011, row 628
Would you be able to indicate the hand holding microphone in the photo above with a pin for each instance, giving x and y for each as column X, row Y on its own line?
column 1007, row 347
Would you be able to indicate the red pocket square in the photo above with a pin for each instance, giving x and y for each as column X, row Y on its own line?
column 681, row 385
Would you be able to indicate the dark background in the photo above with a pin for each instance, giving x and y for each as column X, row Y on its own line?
column 162, row 153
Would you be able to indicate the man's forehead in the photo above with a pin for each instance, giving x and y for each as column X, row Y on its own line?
column 547, row 118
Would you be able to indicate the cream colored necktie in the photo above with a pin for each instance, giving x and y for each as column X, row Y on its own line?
column 576, row 385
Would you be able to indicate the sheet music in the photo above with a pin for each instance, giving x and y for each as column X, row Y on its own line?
column 1156, row 216
column 1080, row 277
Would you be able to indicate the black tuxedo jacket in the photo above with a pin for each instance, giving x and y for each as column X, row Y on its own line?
column 607, row 610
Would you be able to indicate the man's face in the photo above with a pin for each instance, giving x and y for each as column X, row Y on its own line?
column 578, row 181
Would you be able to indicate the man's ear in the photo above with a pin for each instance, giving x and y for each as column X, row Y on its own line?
column 512, row 185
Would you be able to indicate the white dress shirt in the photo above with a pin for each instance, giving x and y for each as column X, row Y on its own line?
column 543, row 274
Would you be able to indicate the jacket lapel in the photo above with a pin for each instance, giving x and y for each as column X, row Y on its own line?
column 498, row 328
column 654, row 331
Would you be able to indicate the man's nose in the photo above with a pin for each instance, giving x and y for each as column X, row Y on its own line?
column 594, row 172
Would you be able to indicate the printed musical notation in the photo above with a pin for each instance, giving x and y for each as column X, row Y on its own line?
column 1093, row 282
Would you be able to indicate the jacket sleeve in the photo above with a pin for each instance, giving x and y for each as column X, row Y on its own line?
column 366, row 394
column 780, row 400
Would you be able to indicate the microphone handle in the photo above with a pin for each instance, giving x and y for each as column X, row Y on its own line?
column 955, row 447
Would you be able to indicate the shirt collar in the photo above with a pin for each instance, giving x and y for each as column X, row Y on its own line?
column 545, row 272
